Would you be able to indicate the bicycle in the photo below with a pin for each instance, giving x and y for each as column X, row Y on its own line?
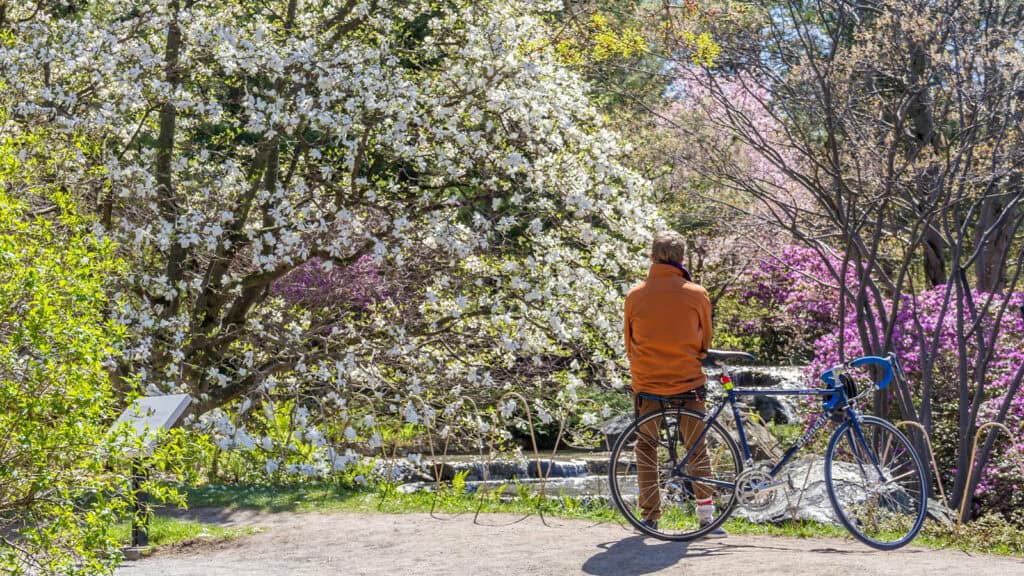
column 874, row 477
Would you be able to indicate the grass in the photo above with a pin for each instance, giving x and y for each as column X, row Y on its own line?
column 332, row 498
column 167, row 531
column 985, row 536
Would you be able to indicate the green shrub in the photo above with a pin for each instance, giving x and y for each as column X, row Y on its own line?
column 63, row 477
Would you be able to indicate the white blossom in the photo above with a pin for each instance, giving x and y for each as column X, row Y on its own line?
column 533, row 268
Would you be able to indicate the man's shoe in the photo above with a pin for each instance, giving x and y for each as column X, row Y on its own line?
column 649, row 524
column 716, row 533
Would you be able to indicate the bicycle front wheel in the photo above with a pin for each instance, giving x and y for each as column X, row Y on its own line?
column 654, row 475
column 876, row 482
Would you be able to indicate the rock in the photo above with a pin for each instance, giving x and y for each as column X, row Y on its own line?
column 402, row 471
column 771, row 409
column 813, row 504
column 763, row 445
column 615, row 426
column 557, row 468
column 937, row 511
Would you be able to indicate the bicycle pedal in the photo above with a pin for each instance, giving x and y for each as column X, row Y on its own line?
column 771, row 486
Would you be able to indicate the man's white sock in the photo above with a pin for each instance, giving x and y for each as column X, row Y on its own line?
column 705, row 510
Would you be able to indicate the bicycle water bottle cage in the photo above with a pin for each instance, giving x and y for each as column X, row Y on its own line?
column 849, row 385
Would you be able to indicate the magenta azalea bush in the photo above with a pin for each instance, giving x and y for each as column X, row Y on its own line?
column 921, row 320
column 784, row 304
column 796, row 306
column 317, row 284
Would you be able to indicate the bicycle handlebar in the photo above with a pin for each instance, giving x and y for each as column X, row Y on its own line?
column 829, row 375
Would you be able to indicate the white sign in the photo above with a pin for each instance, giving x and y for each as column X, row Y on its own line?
column 153, row 414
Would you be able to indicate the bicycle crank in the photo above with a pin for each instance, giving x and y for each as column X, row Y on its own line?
column 756, row 489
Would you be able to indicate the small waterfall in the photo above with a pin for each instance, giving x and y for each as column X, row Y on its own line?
column 777, row 409
column 582, row 476
column 519, row 469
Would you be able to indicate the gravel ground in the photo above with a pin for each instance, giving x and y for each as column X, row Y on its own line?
column 412, row 544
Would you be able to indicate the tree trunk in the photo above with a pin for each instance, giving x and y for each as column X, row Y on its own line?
column 990, row 267
column 168, row 200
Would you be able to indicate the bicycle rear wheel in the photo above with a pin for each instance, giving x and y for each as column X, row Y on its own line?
column 650, row 454
column 876, row 483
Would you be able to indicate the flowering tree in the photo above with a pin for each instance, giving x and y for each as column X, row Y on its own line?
column 238, row 152
column 732, row 229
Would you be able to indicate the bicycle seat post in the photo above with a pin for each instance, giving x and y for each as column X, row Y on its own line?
column 725, row 378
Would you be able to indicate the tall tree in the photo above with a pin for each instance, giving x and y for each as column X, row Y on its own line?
column 226, row 144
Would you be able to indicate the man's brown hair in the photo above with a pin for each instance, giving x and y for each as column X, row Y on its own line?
column 668, row 245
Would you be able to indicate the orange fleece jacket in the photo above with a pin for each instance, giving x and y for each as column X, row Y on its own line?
column 668, row 331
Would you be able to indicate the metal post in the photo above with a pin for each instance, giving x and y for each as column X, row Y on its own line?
column 140, row 509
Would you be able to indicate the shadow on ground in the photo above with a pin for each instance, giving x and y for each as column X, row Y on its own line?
column 642, row 556
column 218, row 516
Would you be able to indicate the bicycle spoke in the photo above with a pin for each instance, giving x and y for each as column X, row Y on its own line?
column 904, row 475
column 655, row 474
column 876, row 483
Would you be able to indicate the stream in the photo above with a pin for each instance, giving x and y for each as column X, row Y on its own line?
column 584, row 474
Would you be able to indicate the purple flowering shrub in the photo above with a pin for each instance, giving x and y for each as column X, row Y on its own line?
column 1002, row 484
column 793, row 313
column 787, row 308
column 783, row 304
column 317, row 285
column 921, row 319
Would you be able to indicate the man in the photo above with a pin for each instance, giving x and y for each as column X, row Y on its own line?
column 668, row 332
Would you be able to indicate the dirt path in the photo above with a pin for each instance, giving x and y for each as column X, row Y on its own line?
column 413, row 544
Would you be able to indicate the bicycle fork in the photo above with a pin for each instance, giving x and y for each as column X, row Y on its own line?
column 858, row 443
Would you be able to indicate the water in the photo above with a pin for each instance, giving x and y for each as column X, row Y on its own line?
column 584, row 474
column 776, row 409
column 525, row 469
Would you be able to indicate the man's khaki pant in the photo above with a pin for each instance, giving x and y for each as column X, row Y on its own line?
column 648, row 440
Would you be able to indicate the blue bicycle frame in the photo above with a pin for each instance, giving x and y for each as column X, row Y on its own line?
column 835, row 398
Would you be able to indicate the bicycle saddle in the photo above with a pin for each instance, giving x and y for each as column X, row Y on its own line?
column 715, row 356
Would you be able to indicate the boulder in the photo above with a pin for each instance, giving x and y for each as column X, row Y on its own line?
column 771, row 409
column 612, row 427
column 763, row 445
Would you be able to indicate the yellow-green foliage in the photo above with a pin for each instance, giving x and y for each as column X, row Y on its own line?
column 703, row 48
column 60, row 475
column 601, row 42
column 601, row 37
column 608, row 42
